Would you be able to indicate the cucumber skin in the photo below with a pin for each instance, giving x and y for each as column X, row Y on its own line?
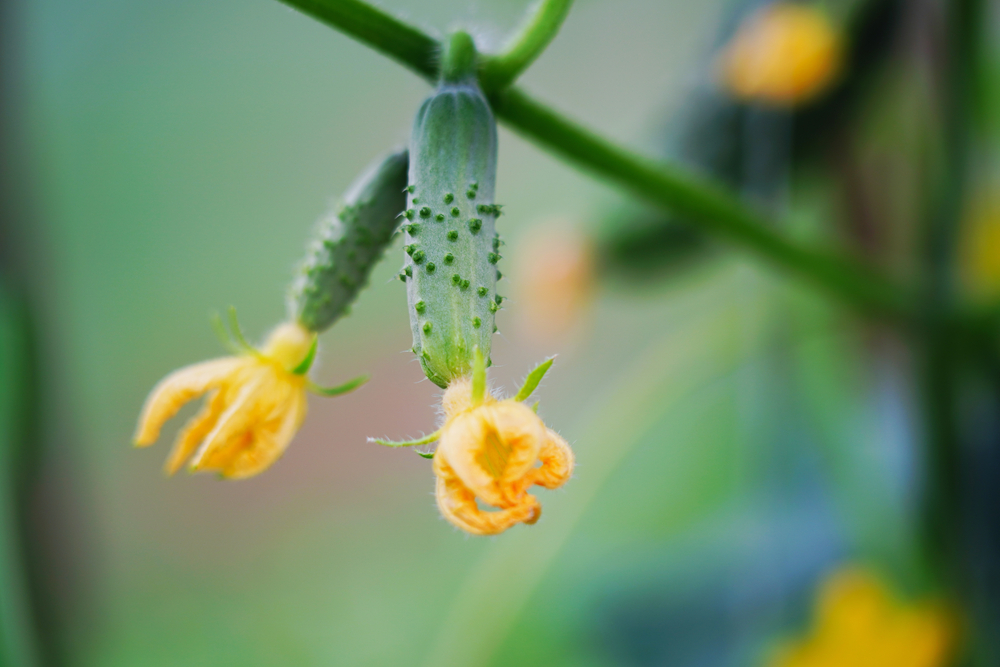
column 348, row 243
column 453, row 152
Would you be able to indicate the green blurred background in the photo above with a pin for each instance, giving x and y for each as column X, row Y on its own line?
column 734, row 438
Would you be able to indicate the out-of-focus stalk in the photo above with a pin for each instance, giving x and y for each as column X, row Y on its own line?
column 18, row 640
column 944, row 500
column 23, row 619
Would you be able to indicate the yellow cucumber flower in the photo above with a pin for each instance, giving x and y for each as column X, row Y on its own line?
column 980, row 246
column 493, row 451
column 858, row 622
column 256, row 403
column 783, row 54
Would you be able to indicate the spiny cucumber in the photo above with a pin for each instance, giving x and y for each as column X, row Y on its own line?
column 348, row 243
column 451, row 245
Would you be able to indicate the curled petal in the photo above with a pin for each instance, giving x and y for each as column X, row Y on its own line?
column 268, row 445
column 524, row 433
column 492, row 448
column 177, row 389
column 557, row 462
column 195, row 431
column 458, row 505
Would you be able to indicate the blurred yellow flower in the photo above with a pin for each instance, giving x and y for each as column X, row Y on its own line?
column 784, row 54
column 980, row 246
column 256, row 403
column 857, row 622
column 556, row 266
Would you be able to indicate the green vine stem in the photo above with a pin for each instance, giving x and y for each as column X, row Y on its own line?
column 537, row 31
column 385, row 33
column 707, row 205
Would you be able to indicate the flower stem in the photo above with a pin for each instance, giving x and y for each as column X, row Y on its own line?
column 458, row 60
column 537, row 31
column 709, row 206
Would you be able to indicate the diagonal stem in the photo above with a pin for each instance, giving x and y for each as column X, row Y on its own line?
column 708, row 206
column 404, row 43
column 538, row 30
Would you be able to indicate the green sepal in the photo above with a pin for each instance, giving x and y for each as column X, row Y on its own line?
column 426, row 455
column 478, row 376
column 534, row 408
column 233, row 338
column 534, row 377
column 308, row 360
column 241, row 341
column 348, row 386
column 423, row 440
column 219, row 328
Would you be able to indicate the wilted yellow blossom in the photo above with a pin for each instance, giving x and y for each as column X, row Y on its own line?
column 493, row 451
column 784, row 54
column 256, row 402
column 857, row 622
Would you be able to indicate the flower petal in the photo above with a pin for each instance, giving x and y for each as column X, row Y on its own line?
column 458, row 505
column 195, row 431
column 217, row 458
column 557, row 462
column 269, row 443
column 523, row 431
column 232, row 430
column 464, row 440
column 492, row 448
column 177, row 389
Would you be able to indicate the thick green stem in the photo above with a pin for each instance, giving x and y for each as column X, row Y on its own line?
column 397, row 39
column 538, row 30
column 706, row 205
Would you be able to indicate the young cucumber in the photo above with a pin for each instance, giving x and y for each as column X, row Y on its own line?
column 451, row 246
column 348, row 243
